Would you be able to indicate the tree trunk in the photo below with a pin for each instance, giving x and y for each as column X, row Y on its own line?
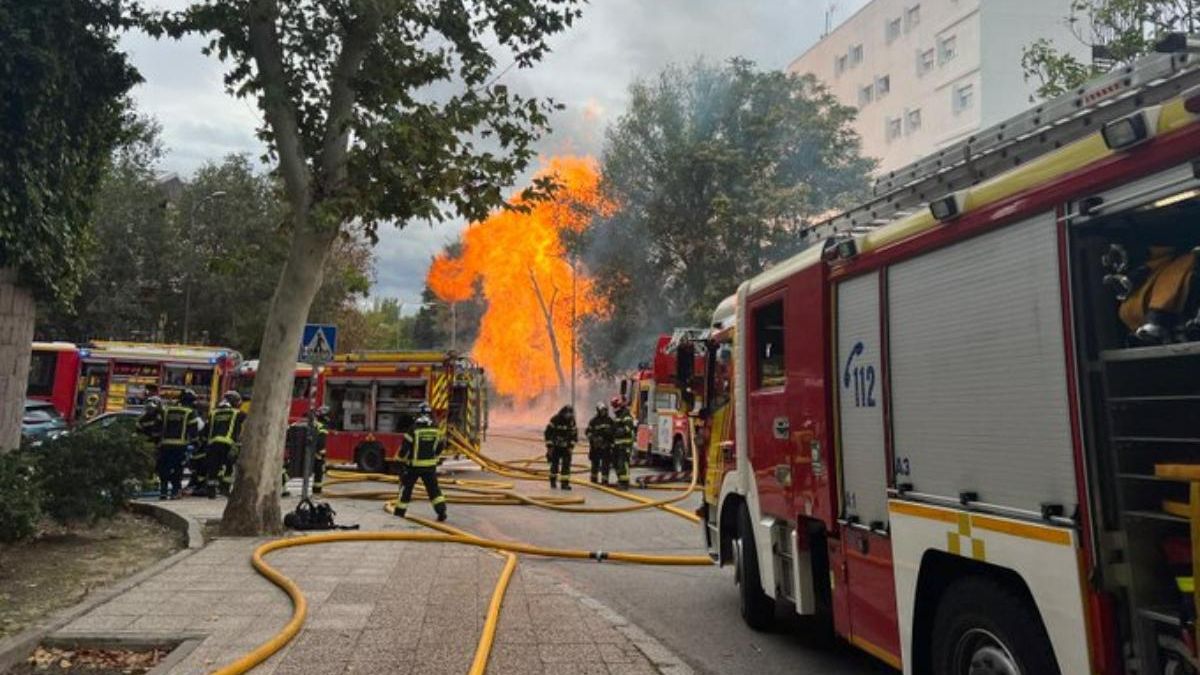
column 548, row 315
column 253, row 507
column 16, row 339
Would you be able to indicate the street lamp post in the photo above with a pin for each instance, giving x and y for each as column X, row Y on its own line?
column 187, row 282
column 574, row 317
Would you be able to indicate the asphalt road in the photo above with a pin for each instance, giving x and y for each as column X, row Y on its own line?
column 691, row 610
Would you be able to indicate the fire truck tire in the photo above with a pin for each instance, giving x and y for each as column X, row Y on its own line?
column 983, row 627
column 678, row 456
column 370, row 458
column 758, row 609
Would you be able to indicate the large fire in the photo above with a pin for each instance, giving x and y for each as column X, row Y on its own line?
column 526, row 333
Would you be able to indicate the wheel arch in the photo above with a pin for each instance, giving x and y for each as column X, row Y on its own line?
column 938, row 570
column 728, row 525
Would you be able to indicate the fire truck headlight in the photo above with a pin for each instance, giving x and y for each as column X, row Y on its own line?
column 1130, row 130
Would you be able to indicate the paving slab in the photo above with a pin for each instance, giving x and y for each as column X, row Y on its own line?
column 395, row 607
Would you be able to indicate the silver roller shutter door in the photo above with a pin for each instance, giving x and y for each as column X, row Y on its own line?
column 979, row 395
column 860, row 400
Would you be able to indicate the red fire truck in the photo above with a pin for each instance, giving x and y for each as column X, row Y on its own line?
column 373, row 399
column 302, row 388
column 657, row 402
column 54, row 376
column 113, row 375
column 939, row 431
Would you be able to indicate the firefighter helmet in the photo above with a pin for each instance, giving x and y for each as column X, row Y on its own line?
column 601, row 409
column 233, row 398
column 187, row 397
column 154, row 402
column 424, row 410
column 322, row 414
column 424, row 421
column 617, row 402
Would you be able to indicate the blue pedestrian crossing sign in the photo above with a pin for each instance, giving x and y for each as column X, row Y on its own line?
column 318, row 344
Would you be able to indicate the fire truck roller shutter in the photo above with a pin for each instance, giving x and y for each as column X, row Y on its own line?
column 978, row 371
column 860, row 401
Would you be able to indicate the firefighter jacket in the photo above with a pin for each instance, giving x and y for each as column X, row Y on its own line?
column 322, row 436
column 624, row 430
column 600, row 431
column 561, row 433
column 180, row 426
column 225, row 426
column 423, row 447
column 149, row 423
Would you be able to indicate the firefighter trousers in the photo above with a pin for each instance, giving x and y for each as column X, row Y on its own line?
column 197, row 466
column 428, row 476
column 601, row 458
column 318, row 473
column 621, row 465
column 560, row 467
column 218, row 468
column 169, row 466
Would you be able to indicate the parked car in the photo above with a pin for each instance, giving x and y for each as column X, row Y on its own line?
column 124, row 419
column 41, row 422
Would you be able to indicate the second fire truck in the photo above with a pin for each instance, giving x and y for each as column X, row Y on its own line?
column 374, row 397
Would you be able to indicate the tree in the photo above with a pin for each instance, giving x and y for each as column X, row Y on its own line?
column 1118, row 31
column 195, row 261
column 62, row 110
column 715, row 172
column 358, row 136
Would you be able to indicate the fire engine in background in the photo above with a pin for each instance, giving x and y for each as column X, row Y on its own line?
column 656, row 402
column 54, row 376
column 113, row 375
column 941, row 432
column 373, row 398
column 303, row 388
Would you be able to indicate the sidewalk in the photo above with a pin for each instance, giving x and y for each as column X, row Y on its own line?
column 373, row 608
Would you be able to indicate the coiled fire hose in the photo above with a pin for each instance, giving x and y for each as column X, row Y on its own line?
column 452, row 535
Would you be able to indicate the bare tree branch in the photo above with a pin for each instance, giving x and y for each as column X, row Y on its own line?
column 548, row 315
column 355, row 44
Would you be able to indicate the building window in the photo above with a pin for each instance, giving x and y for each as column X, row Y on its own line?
column 893, row 128
column 912, row 17
column 882, row 86
column 964, row 97
column 925, row 61
column 768, row 345
column 839, row 64
column 865, row 95
column 947, row 49
column 912, row 119
column 856, row 54
column 892, row 30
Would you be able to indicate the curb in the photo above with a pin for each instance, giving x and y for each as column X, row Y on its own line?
column 172, row 519
column 16, row 648
column 664, row 660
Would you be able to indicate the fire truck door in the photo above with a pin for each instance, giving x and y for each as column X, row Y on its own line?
column 867, row 583
column 770, row 411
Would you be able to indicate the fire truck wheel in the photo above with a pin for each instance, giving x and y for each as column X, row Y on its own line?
column 758, row 610
column 678, row 457
column 370, row 458
column 984, row 628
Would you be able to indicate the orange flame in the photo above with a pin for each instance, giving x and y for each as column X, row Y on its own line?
column 519, row 256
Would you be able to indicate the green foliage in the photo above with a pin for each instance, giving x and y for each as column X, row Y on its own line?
column 162, row 251
column 1118, row 31
column 62, row 105
column 20, row 497
column 90, row 474
column 340, row 85
column 716, row 172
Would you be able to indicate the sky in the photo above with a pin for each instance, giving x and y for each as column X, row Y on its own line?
column 589, row 69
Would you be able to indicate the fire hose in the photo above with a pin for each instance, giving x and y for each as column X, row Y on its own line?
column 490, row 490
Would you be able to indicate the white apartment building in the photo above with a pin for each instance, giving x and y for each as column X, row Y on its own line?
column 926, row 73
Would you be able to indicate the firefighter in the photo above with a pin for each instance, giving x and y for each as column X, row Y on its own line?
column 224, row 432
column 180, row 428
column 149, row 423
column 624, row 430
column 418, row 460
column 321, row 427
column 561, row 436
column 600, row 438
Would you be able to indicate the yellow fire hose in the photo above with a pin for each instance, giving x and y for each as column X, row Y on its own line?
column 487, row 490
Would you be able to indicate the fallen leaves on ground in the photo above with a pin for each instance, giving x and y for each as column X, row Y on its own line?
column 133, row 662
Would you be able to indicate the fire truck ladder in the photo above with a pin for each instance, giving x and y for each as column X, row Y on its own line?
column 1043, row 129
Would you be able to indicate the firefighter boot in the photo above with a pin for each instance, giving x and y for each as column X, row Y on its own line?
column 553, row 482
column 400, row 511
column 441, row 512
